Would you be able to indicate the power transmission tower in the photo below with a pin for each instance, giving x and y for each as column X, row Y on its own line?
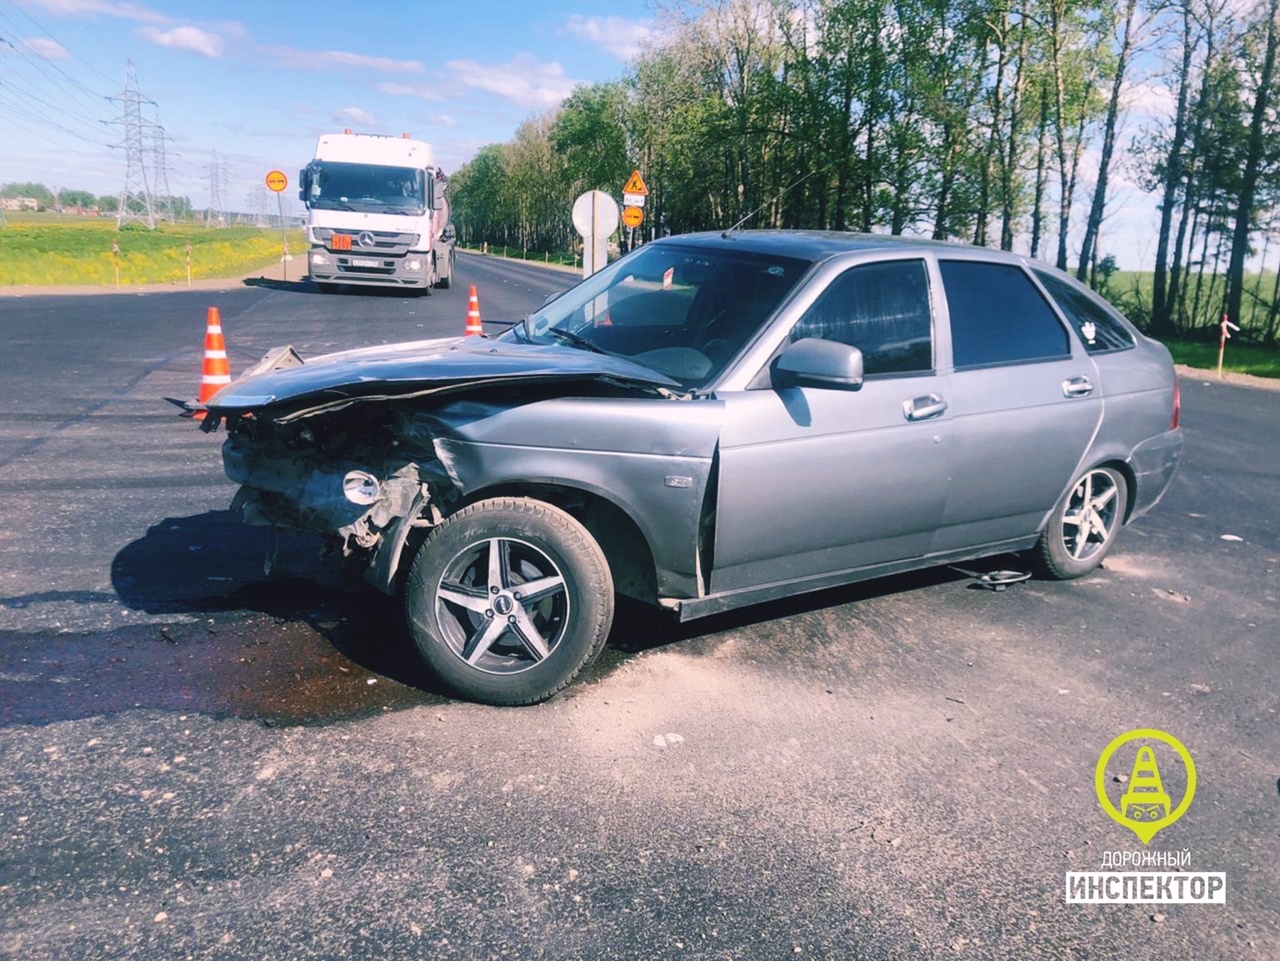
column 136, row 189
column 164, row 198
column 215, row 217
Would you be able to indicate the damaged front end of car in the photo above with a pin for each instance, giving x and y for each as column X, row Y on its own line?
column 363, row 479
column 355, row 447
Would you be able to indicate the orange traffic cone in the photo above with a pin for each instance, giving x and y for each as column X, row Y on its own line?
column 473, row 314
column 216, row 373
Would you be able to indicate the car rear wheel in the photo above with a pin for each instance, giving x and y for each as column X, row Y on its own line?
column 508, row 600
column 1083, row 526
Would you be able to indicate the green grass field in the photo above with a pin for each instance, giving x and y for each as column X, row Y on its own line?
column 45, row 249
column 1239, row 359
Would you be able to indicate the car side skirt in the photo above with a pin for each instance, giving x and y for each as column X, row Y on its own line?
column 688, row 609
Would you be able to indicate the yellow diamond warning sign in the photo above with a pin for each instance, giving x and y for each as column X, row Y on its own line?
column 635, row 185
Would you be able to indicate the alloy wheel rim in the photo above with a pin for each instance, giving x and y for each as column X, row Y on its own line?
column 502, row 605
column 1091, row 515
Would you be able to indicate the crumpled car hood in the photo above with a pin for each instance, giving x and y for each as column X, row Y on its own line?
column 397, row 370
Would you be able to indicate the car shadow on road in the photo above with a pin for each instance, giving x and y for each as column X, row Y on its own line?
column 242, row 621
column 247, row 622
column 639, row 628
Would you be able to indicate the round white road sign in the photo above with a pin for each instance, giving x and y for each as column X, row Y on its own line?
column 595, row 214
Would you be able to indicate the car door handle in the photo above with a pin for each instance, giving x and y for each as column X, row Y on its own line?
column 1077, row 387
column 922, row 408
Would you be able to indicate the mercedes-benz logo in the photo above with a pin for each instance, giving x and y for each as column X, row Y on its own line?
column 365, row 239
column 503, row 605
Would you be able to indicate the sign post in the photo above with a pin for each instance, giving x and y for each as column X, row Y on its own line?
column 633, row 197
column 595, row 216
column 1227, row 327
column 277, row 181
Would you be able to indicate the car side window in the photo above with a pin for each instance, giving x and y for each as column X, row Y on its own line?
column 883, row 310
column 998, row 316
column 1100, row 331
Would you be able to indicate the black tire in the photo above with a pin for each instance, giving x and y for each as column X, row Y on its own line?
column 1062, row 553
column 548, row 639
column 447, row 280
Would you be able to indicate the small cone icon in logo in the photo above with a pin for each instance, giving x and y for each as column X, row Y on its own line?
column 473, row 314
column 216, row 373
column 1145, row 801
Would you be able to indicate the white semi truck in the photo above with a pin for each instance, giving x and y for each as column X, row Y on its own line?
column 377, row 214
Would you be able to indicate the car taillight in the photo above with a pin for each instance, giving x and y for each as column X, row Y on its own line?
column 1177, row 404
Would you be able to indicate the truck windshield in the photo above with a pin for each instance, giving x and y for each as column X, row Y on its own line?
column 367, row 187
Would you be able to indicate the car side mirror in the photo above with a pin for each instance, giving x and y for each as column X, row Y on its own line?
column 818, row 363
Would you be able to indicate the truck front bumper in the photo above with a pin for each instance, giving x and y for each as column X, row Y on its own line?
column 357, row 267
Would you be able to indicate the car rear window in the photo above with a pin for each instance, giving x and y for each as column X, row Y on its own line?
column 998, row 316
column 1100, row 331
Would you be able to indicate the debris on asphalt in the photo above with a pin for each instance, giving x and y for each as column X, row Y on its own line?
column 1234, row 538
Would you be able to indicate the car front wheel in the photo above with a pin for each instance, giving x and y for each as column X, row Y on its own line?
column 1083, row 526
column 508, row 600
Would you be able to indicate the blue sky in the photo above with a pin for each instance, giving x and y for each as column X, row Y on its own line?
column 258, row 82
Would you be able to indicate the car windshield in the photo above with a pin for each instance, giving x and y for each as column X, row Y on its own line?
column 682, row 311
column 367, row 187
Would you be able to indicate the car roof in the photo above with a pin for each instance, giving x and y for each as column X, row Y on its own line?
column 819, row 245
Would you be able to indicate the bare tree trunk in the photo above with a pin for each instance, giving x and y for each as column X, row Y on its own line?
column 1009, row 162
column 1042, row 150
column 1175, row 306
column 1162, row 300
column 1108, row 143
column 1000, row 34
column 1204, row 262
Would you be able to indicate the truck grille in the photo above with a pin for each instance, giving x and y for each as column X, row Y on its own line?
column 377, row 243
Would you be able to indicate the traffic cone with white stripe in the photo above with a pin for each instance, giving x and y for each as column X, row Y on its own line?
column 473, row 314
column 216, row 373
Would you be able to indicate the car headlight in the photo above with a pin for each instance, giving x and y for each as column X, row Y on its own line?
column 320, row 259
column 413, row 265
column 361, row 487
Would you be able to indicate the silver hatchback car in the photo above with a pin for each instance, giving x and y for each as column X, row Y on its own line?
column 712, row 421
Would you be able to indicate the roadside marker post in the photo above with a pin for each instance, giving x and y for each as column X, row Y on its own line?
column 277, row 181
column 188, row 265
column 115, row 260
column 1227, row 327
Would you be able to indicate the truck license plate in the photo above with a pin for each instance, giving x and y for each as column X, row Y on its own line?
column 365, row 262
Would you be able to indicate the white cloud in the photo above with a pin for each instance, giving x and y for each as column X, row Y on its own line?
column 106, row 8
column 327, row 59
column 357, row 116
column 48, row 49
column 444, row 120
column 185, row 38
column 526, row 80
column 409, row 90
column 622, row 37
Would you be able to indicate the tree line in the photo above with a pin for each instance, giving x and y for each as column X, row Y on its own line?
column 996, row 122
column 65, row 198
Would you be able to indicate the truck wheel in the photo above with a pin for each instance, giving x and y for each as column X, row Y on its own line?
column 1083, row 526
column 446, row 281
column 508, row 600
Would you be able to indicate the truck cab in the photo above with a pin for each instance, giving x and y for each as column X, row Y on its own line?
column 377, row 213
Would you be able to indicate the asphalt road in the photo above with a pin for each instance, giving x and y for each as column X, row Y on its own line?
column 201, row 758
